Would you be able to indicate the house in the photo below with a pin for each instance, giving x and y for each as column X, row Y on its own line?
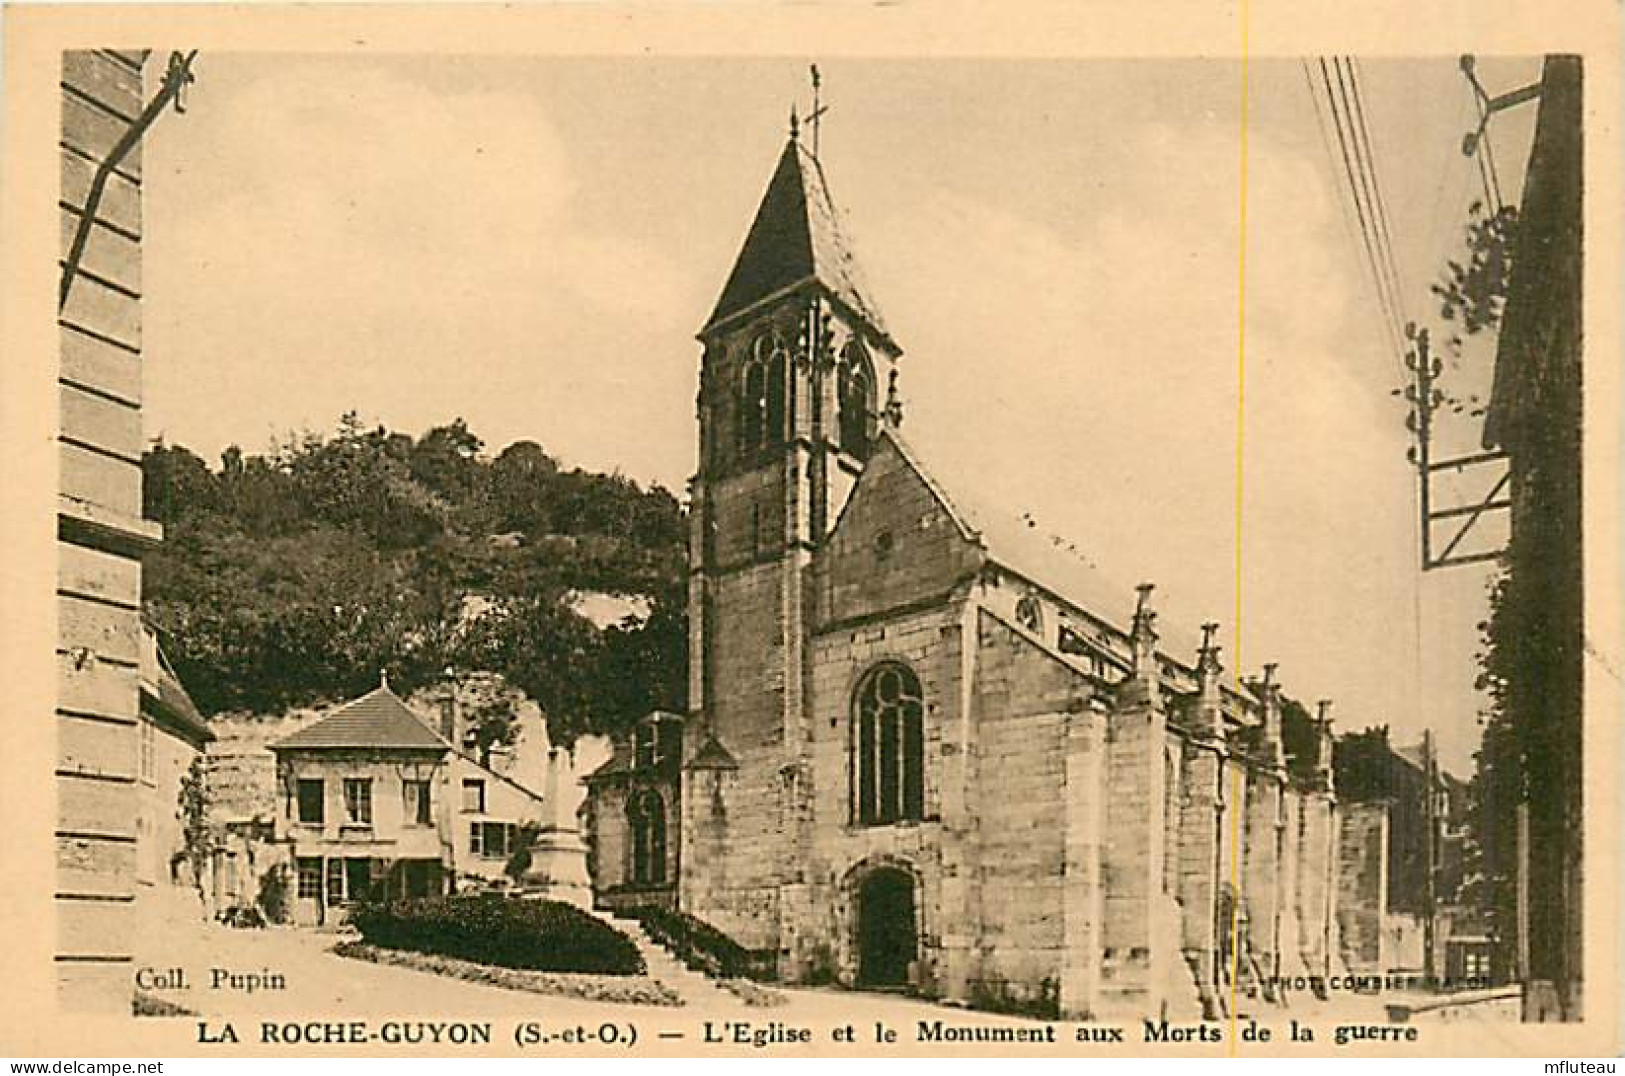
column 1535, row 416
column 373, row 803
column 928, row 748
column 172, row 862
column 1402, row 844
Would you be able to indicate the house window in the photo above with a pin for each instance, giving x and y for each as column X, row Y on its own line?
column 490, row 840
column 474, row 795
column 335, row 881
column 777, row 409
column 417, row 800
column 310, row 879
column 358, row 801
column 854, row 403
column 646, row 815
column 149, row 737
column 311, row 801
column 889, row 717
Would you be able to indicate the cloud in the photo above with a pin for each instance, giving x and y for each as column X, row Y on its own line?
column 365, row 239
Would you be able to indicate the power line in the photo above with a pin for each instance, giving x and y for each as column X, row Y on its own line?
column 1390, row 320
column 1376, row 188
column 1367, row 179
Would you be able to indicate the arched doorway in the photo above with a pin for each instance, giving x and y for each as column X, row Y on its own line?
column 887, row 936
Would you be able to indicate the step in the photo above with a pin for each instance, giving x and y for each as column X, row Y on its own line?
column 661, row 964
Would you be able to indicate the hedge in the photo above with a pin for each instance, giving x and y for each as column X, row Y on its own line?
column 508, row 932
column 703, row 947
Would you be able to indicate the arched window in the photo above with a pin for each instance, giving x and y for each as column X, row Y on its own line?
column 888, row 714
column 646, row 814
column 778, row 389
column 764, row 394
column 854, row 401
column 752, row 406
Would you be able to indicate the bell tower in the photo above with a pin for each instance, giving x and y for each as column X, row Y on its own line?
column 797, row 375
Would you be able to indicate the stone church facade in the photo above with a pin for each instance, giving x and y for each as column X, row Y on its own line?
column 929, row 749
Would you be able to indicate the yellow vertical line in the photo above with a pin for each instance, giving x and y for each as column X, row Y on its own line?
column 1238, row 788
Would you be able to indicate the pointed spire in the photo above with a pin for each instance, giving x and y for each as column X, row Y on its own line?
column 798, row 240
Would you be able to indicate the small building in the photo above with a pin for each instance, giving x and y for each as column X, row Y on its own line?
column 1402, row 831
column 633, row 821
column 171, row 859
column 373, row 803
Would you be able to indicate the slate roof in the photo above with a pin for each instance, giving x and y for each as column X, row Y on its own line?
column 798, row 235
column 162, row 695
column 378, row 719
column 1028, row 552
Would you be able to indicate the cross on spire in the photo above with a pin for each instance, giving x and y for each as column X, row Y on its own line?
column 815, row 117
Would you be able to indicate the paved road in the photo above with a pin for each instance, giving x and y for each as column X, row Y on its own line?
column 321, row 984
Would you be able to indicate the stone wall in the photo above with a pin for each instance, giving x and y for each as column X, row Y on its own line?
column 102, row 535
column 895, row 546
column 841, row 851
column 1362, row 886
column 741, row 814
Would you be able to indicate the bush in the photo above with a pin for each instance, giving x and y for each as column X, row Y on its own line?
column 703, row 947
column 538, row 935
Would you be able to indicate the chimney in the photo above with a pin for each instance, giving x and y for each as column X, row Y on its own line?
column 448, row 716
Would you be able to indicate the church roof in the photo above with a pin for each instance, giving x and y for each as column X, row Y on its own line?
column 1020, row 547
column 797, row 236
column 378, row 719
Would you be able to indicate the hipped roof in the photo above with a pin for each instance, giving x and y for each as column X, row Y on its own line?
column 378, row 719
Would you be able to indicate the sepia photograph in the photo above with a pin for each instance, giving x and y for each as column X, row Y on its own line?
column 708, row 551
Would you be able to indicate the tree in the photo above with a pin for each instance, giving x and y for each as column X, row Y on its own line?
column 192, row 810
column 290, row 578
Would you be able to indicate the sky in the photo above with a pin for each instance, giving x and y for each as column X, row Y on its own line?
column 531, row 244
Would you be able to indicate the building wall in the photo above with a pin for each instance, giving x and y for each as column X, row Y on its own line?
column 504, row 804
column 1026, row 703
column 1362, row 886
column 99, row 581
column 894, row 546
column 746, row 713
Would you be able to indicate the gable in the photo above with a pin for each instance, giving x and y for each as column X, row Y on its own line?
column 896, row 544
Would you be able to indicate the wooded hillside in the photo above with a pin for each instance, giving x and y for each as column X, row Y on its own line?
column 294, row 577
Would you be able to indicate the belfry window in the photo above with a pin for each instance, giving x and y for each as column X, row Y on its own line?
column 646, row 815
column 753, row 406
column 778, row 394
column 854, row 401
column 889, row 723
column 764, row 395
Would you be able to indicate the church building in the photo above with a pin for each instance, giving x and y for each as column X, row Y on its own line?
column 930, row 749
